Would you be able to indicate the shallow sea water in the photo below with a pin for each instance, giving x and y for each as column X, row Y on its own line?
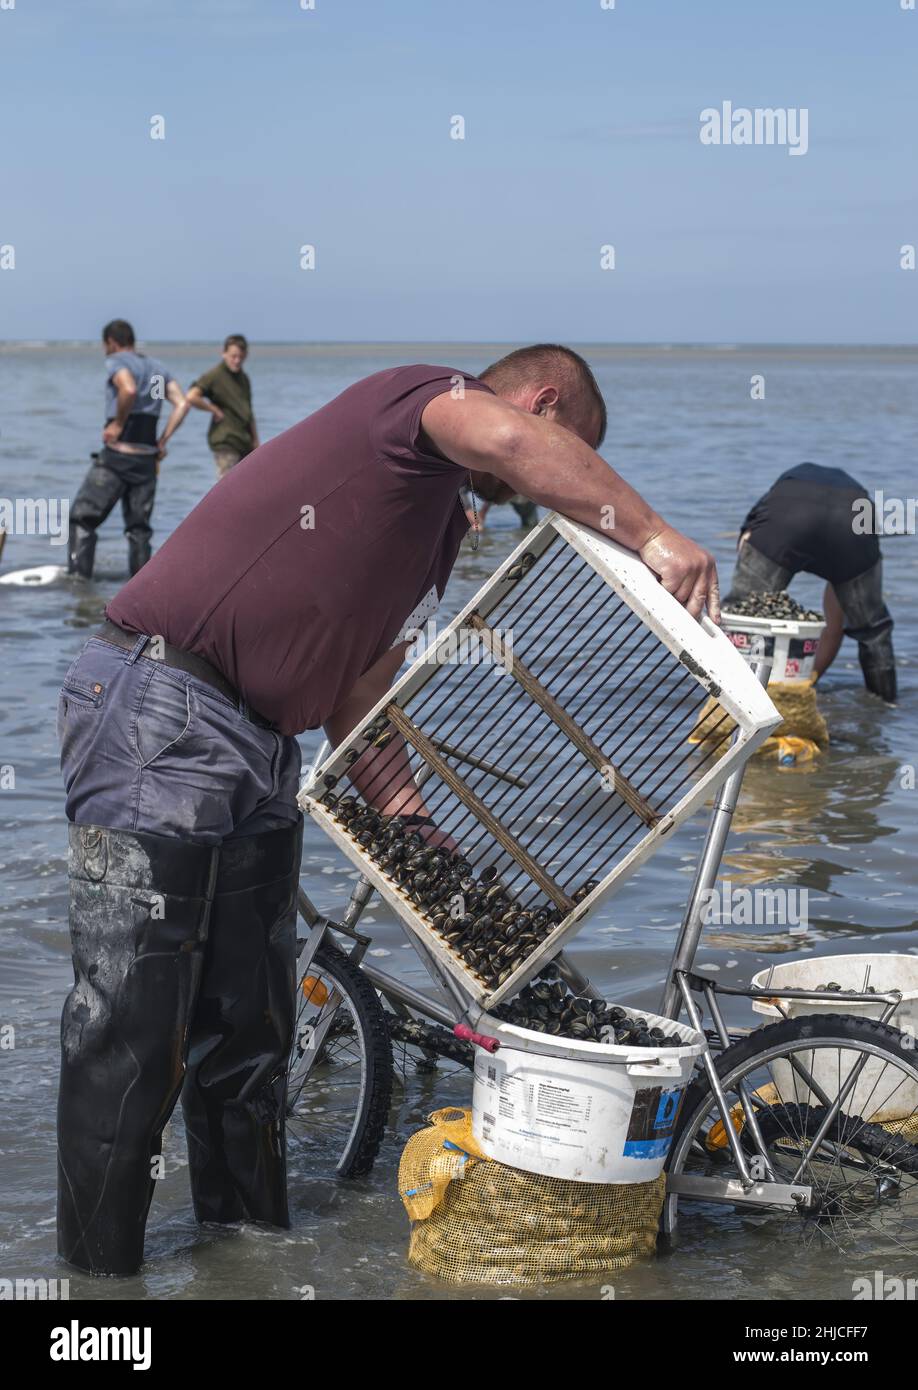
column 684, row 430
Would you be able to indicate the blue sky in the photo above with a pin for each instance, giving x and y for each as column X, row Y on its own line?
column 331, row 127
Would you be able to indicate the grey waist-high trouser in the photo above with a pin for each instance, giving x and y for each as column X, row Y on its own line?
column 184, row 863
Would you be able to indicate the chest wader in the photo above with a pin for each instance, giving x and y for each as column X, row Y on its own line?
column 142, row 911
column 113, row 477
column 235, row 1092
column 878, row 669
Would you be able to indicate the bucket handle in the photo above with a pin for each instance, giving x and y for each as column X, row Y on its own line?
column 665, row 1067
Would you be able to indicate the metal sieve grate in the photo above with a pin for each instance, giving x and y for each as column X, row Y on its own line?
column 549, row 726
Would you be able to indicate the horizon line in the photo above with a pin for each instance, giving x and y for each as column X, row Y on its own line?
column 712, row 344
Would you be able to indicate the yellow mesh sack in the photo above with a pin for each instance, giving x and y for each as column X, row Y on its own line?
column 906, row 1128
column 802, row 733
column 490, row 1224
column 432, row 1158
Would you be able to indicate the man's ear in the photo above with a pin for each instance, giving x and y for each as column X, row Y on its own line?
column 546, row 398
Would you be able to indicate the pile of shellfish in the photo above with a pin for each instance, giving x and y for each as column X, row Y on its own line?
column 474, row 914
column 833, row 987
column 772, row 604
column 548, row 1005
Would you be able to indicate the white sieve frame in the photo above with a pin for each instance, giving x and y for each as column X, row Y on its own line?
column 702, row 647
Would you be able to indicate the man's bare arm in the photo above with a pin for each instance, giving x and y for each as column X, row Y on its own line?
column 383, row 776
column 127, row 395
column 553, row 466
column 179, row 402
column 831, row 639
column 197, row 398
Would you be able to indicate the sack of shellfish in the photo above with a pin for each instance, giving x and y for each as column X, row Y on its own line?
column 476, row 1221
column 797, row 704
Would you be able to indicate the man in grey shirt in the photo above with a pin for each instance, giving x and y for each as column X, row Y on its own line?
column 125, row 470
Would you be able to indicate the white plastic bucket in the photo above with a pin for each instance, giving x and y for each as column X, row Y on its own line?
column 789, row 645
column 585, row 1111
column 875, row 1096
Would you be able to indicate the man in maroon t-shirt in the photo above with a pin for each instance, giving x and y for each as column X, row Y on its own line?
column 281, row 603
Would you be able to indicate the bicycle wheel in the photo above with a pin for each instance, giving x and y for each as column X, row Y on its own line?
column 863, row 1171
column 339, row 1076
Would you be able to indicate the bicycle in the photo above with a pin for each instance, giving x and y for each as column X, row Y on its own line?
column 814, row 1118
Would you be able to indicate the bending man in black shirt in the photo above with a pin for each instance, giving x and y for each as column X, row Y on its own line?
column 812, row 520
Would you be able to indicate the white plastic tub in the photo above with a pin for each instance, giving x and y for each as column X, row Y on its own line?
column 588, row 1112
column 789, row 645
column 872, row 1097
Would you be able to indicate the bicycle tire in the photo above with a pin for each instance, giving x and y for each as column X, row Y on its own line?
column 375, row 1093
column 808, row 1031
column 877, row 1143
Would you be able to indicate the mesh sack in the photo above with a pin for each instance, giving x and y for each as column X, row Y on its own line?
column 433, row 1158
column 905, row 1128
column 796, row 703
column 493, row 1224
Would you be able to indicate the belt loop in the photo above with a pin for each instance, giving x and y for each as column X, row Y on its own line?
column 136, row 650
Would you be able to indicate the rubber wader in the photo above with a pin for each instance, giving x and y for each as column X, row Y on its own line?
column 160, row 930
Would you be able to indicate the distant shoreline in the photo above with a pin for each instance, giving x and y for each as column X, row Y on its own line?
column 905, row 351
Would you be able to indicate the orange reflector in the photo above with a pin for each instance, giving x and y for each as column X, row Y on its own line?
column 716, row 1137
column 314, row 990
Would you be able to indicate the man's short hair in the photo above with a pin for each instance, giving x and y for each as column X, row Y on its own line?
column 120, row 332
column 529, row 364
column 235, row 340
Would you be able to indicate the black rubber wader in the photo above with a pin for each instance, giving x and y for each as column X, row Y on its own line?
column 184, row 976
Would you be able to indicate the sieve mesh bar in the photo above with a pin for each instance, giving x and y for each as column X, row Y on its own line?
column 413, row 734
column 551, row 743
column 521, row 753
column 693, row 756
column 689, row 698
column 569, row 560
column 612, row 820
column 482, row 714
column 603, row 789
column 425, row 714
column 572, row 730
column 668, row 710
column 565, row 784
column 674, row 731
column 570, row 853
